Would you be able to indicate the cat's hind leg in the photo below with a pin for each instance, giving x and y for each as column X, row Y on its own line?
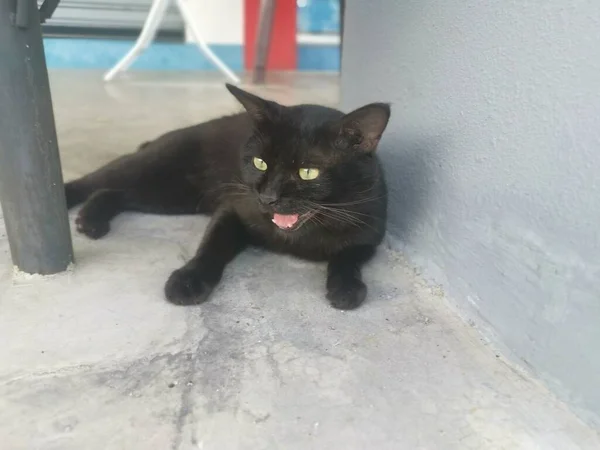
column 105, row 204
column 76, row 192
column 96, row 213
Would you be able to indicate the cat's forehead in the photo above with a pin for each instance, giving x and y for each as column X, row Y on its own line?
column 301, row 134
column 298, row 148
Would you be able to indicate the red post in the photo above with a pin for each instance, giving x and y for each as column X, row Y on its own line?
column 282, row 51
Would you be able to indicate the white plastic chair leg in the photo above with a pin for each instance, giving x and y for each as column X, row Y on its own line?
column 155, row 16
column 202, row 45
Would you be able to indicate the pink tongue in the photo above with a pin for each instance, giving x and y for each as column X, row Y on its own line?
column 285, row 221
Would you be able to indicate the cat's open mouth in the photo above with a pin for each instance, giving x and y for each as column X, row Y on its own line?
column 289, row 221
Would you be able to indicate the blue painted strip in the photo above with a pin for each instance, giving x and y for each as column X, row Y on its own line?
column 75, row 53
column 319, row 16
column 70, row 53
column 319, row 57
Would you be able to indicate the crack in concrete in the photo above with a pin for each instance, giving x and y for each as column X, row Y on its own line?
column 93, row 368
column 186, row 403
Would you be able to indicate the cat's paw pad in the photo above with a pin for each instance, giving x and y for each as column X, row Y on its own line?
column 346, row 293
column 94, row 229
column 187, row 287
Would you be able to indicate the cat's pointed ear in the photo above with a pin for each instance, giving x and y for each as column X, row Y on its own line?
column 258, row 108
column 362, row 128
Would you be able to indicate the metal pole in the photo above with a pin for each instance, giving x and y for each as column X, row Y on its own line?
column 342, row 20
column 31, row 184
column 263, row 40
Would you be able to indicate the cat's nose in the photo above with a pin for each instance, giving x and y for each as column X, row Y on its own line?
column 268, row 198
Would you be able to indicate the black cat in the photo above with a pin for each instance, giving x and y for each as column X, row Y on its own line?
column 302, row 180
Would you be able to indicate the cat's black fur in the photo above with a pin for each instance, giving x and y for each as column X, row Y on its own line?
column 208, row 169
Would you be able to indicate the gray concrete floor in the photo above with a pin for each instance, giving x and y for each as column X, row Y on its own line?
column 96, row 359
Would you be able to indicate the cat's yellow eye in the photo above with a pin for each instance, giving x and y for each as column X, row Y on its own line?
column 259, row 164
column 308, row 173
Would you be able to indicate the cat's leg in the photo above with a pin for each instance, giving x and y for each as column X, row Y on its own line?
column 76, row 192
column 345, row 288
column 192, row 284
column 100, row 208
column 105, row 204
column 143, row 146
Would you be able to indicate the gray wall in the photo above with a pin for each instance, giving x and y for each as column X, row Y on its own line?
column 493, row 158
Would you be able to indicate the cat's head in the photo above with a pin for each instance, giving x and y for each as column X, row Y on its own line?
column 303, row 160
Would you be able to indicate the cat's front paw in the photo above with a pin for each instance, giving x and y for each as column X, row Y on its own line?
column 346, row 292
column 187, row 286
